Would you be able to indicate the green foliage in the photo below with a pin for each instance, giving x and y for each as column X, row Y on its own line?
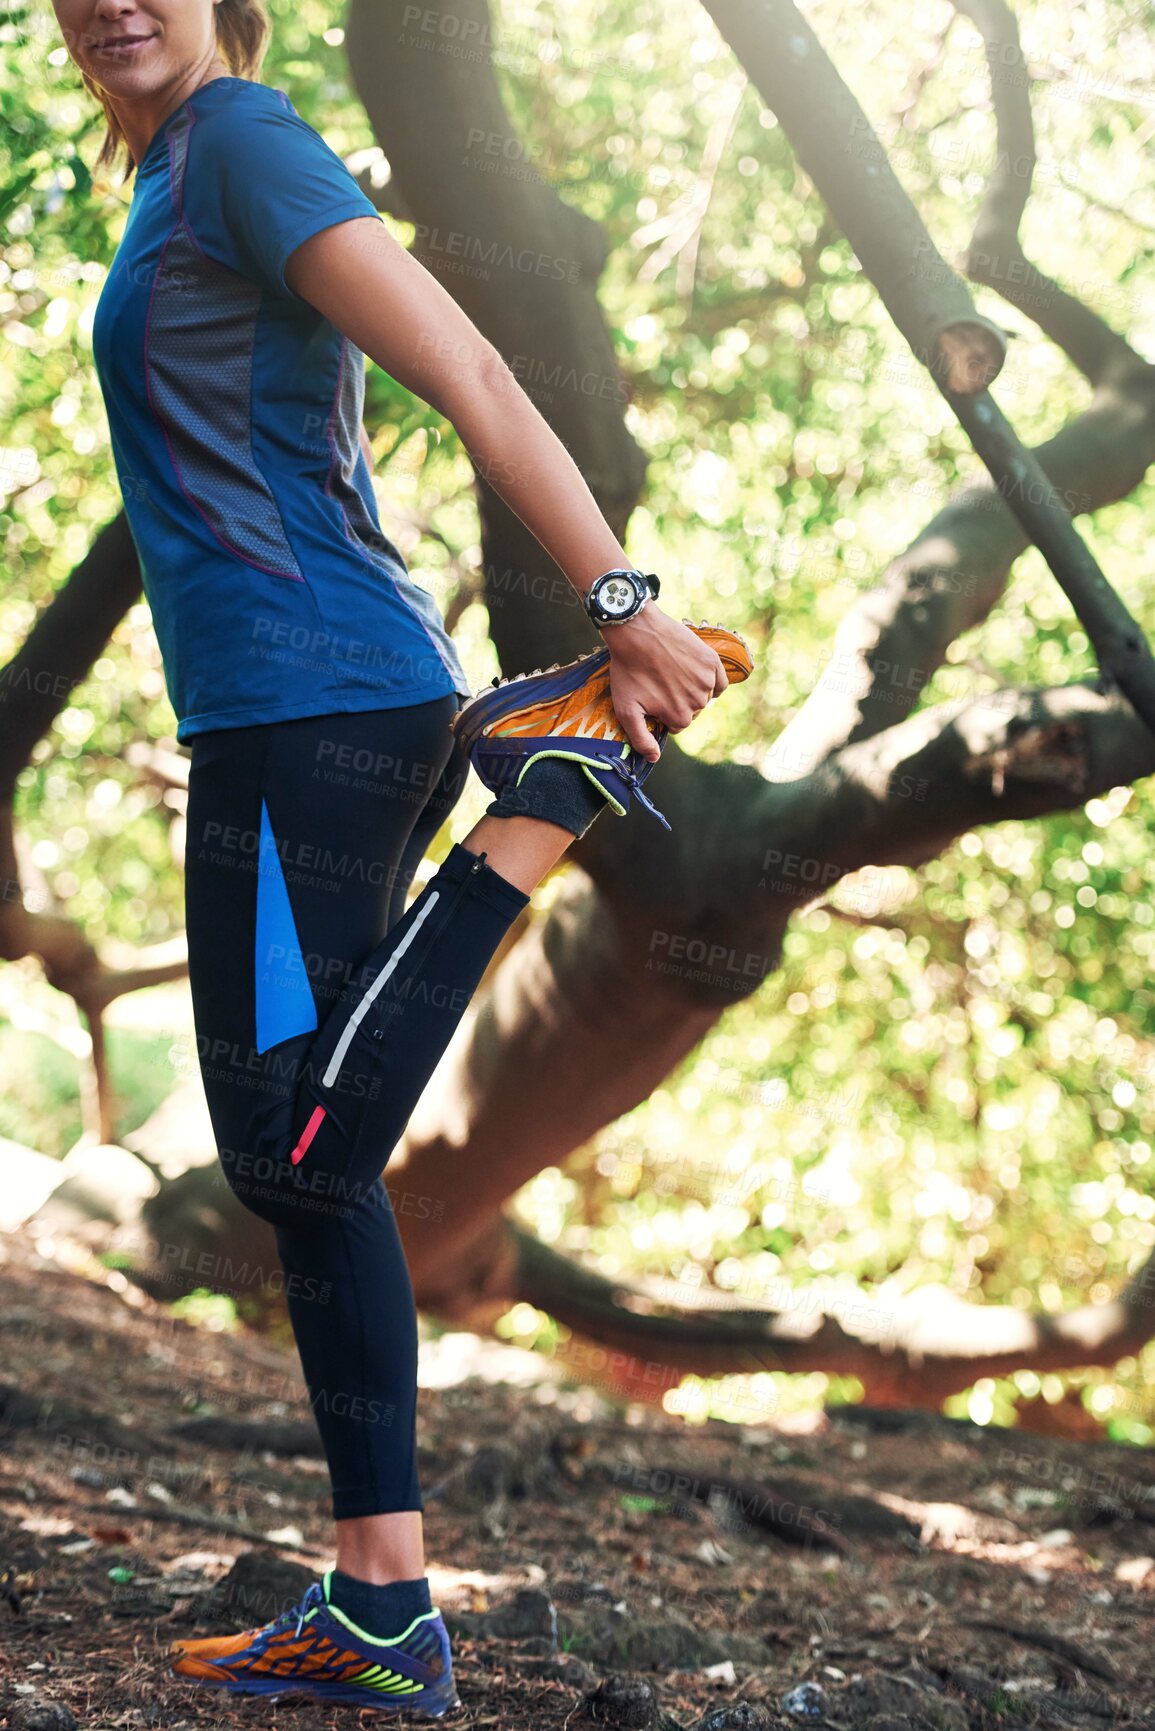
column 212, row 1310
column 951, row 1088
column 40, row 1102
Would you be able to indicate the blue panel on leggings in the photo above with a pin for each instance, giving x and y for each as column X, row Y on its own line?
column 284, row 996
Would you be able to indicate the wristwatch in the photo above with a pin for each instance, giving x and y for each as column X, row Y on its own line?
column 619, row 595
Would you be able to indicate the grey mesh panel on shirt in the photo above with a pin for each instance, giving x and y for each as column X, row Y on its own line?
column 211, row 434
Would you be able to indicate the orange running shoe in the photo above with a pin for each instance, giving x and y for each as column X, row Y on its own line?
column 314, row 1649
column 566, row 711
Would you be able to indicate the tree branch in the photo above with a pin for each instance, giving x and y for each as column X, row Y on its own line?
column 890, row 643
column 914, row 1353
column 841, row 152
column 995, row 256
column 1015, row 753
column 68, row 635
column 930, row 305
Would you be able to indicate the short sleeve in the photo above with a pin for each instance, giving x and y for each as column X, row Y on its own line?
column 260, row 181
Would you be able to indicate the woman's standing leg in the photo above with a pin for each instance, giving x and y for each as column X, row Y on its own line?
column 295, row 858
column 383, row 1547
column 318, row 1024
column 303, row 838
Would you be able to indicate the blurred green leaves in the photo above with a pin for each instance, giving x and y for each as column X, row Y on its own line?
column 953, row 1086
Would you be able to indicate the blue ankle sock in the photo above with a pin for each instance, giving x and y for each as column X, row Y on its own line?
column 556, row 789
column 381, row 1611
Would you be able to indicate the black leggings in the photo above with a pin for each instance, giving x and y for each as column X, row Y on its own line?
column 322, row 1005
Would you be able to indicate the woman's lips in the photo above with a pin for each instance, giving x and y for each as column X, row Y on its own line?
column 123, row 48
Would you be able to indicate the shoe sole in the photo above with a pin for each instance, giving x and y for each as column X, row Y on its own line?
column 476, row 715
column 277, row 1688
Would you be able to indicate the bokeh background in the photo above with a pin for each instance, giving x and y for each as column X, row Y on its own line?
column 950, row 1088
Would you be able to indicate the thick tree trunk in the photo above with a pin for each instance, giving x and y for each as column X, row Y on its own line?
column 63, row 644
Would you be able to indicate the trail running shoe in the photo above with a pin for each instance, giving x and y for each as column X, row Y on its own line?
column 566, row 711
column 314, row 1649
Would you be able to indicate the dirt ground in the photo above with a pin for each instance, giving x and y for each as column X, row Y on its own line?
column 160, row 1480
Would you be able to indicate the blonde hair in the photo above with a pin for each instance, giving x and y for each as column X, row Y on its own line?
column 242, row 40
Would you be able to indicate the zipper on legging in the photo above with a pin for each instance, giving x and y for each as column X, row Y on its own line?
column 333, row 1068
column 435, row 932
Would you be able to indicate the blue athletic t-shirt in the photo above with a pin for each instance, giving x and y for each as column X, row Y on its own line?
column 234, row 409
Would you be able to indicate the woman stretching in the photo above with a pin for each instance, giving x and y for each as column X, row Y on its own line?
column 322, row 700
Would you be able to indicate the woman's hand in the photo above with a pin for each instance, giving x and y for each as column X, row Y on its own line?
column 662, row 671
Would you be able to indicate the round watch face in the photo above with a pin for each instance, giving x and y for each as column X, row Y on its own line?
column 617, row 596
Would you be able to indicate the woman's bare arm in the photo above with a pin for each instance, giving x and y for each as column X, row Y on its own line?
column 385, row 301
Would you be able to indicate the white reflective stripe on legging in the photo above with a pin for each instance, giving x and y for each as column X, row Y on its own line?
column 351, row 1025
